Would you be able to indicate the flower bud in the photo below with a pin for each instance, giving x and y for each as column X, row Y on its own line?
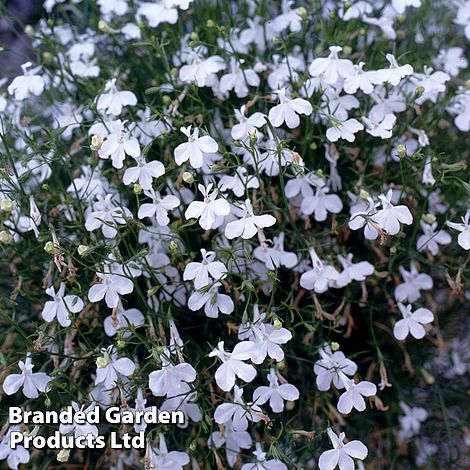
column 253, row 137
column 63, row 455
column 82, row 249
column 7, row 205
column 429, row 218
column 29, row 30
column 5, row 237
column 281, row 365
column 47, row 57
column 347, row 50
column 137, row 188
column 194, row 36
column 401, row 150
column 302, row 12
column 188, row 178
column 48, row 402
column 334, row 346
column 104, row 27
column 49, row 247
column 120, row 343
column 166, row 100
column 173, row 246
column 96, row 142
column 193, row 445
column 277, row 324
column 101, row 362
column 276, row 40
column 363, row 194
column 210, row 23
column 290, row 405
column 419, row 91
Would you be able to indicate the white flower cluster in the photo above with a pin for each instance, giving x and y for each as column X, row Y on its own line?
column 205, row 193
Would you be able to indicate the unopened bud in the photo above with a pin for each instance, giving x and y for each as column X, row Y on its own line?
column 276, row 40
column 281, row 365
column 96, row 142
column 47, row 57
column 63, row 455
column 210, row 23
column 193, row 446
column 363, row 194
column 82, row 249
column 302, row 12
column 428, row 378
column 401, row 150
column 120, row 343
column 166, row 100
column 429, row 218
column 49, row 248
column 29, row 30
column 419, row 91
column 194, row 36
column 277, row 324
column 5, row 237
column 290, row 405
column 7, row 205
column 173, row 246
column 101, row 362
column 104, row 27
column 334, row 346
column 253, row 137
column 137, row 188
column 188, row 178
column 347, row 50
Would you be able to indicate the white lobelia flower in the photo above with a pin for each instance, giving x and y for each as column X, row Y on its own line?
column 412, row 322
column 343, row 130
column 234, row 441
column 144, row 173
column 275, row 394
column 320, row 277
column 237, row 412
column 432, row 238
column 200, row 272
column 380, row 127
column 411, row 421
column 209, row 210
column 140, row 403
column 35, row 217
column 239, row 182
column 110, row 369
column 394, row 74
column 249, row 224
column 61, row 306
column 353, row 396
column 464, row 228
column 111, row 101
column 212, row 301
column 185, row 404
column 267, row 340
column 160, row 459
column 413, row 283
column 122, row 320
column 321, row 203
column 275, row 256
column 288, row 110
column 359, row 80
column 195, row 148
column 107, row 215
column 262, row 463
column 171, row 380
column 112, row 286
column 80, row 429
column 32, row 382
column 159, row 207
column 353, row 271
column 232, row 364
column 202, row 71
column 14, row 457
column 342, row 454
column 390, row 216
column 118, row 144
column 400, row 5
column 238, row 79
column 332, row 68
column 331, row 368
column 246, row 125
column 27, row 84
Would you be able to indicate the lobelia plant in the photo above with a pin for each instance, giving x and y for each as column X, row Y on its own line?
column 252, row 212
